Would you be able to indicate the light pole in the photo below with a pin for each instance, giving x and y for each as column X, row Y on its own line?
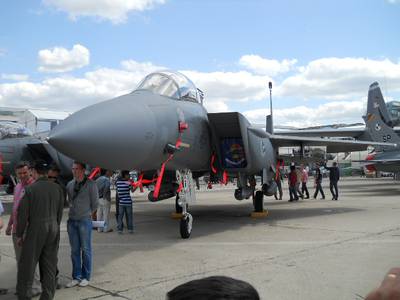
column 270, row 97
column 269, row 126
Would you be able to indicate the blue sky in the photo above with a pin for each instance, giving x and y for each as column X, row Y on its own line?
column 321, row 55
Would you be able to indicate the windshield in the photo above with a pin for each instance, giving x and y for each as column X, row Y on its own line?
column 11, row 129
column 170, row 84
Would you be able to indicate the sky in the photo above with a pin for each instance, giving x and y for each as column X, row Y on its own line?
column 321, row 56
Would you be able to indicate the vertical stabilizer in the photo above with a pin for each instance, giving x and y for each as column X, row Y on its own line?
column 377, row 119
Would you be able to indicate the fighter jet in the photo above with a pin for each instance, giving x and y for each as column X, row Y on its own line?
column 18, row 143
column 163, row 131
column 379, row 127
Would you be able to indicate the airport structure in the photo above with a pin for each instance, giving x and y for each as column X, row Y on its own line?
column 38, row 121
column 394, row 112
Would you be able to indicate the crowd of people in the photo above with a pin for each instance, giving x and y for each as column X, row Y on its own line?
column 34, row 223
column 298, row 179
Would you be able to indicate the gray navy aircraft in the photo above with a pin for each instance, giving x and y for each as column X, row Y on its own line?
column 18, row 143
column 163, row 131
column 379, row 127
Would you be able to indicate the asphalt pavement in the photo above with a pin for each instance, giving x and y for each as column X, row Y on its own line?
column 310, row 249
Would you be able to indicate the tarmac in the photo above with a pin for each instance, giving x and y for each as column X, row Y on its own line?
column 310, row 249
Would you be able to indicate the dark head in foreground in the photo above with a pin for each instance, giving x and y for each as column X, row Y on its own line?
column 214, row 287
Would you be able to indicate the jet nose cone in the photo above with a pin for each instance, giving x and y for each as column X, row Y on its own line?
column 116, row 134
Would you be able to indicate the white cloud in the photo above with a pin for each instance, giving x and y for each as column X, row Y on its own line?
column 340, row 78
column 15, row 77
column 59, row 59
column 302, row 116
column 72, row 93
column 116, row 10
column 230, row 86
column 265, row 66
column 393, row 1
column 142, row 68
column 330, row 79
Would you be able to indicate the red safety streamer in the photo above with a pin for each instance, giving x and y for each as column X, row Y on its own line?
column 140, row 182
column 213, row 169
column 94, row 173
column 180, row 188
column 225, row 178
column 182, row 126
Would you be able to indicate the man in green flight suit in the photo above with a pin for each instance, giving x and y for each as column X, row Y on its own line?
column 38, row 233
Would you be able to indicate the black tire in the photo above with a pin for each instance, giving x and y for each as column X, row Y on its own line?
column 238, row 194
column 185, row 228
column 258, row 202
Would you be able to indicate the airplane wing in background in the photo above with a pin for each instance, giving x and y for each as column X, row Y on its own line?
column 379, row 161
column 327, row 132
column 333, row 145
column 358, row 133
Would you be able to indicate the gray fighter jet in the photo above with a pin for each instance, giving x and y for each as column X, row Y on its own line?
column 379, row 127
column 163, row 131
column 18, row 143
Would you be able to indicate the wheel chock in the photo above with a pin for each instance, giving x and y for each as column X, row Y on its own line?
column 176, row 216
column 258, row 215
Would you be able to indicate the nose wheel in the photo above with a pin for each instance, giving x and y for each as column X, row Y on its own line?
column 186, row 225
column 185, row 196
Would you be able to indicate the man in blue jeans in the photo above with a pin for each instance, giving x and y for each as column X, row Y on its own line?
column 83, row 201
column 125, row 201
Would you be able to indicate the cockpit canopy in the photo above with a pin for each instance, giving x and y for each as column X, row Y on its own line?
column 171, row 84
column 13, row 130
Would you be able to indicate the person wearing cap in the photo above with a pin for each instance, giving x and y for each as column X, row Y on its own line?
column 38, row 233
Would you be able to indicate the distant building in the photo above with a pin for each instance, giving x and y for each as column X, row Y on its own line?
column 38, row 121
column 11, row 114
column 394, row 112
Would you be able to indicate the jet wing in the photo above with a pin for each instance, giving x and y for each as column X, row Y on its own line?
column 333, row 145
column 380, row 161
column 358, row 133
column 326, row 132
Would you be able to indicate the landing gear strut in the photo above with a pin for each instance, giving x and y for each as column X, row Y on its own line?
column 183, row 198
column 178, row 207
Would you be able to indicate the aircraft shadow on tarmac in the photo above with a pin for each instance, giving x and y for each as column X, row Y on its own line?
column 214, row 219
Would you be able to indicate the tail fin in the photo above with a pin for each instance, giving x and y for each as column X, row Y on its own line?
column 377, row 119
